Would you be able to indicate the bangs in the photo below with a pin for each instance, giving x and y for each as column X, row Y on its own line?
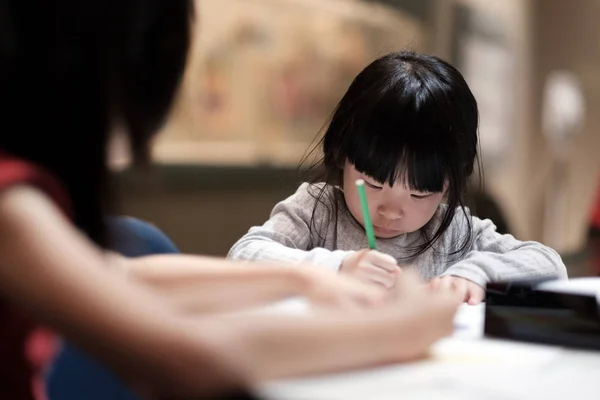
column 404, row 143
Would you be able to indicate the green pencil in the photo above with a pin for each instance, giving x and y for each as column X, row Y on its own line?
column 360, row 186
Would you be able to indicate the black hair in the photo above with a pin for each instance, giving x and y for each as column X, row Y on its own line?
column 71, row 71
column 406, row 116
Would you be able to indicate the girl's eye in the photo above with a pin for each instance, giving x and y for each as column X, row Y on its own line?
column 373, row 186
column 420, row 196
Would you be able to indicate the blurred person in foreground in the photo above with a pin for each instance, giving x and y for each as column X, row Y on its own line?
column 71, row 74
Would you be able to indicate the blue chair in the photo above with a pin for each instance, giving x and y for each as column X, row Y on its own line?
column 73, row 375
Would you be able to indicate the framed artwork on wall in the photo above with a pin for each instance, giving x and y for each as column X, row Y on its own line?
column 263, row 76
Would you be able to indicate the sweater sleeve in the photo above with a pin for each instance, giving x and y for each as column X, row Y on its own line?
column 286, row 236
column 496, row 257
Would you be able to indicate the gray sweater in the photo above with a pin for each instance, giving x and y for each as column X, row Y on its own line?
column 287, row 237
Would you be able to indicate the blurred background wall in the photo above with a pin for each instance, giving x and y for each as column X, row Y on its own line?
column 262, row 81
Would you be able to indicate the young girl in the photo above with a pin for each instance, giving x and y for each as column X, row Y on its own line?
column 407, row 126
column 70, row 72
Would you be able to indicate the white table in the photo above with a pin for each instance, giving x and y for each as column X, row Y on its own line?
column 465, row 366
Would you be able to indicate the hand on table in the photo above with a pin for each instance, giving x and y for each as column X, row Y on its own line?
column 424, row 316
column 324, row 288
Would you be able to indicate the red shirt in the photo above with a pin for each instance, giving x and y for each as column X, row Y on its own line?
column 595, row 217
column 25, row 348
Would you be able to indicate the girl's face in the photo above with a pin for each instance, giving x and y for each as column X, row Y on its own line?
column 394, row 209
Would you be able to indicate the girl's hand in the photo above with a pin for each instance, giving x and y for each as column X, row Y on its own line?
column 463, row 289
column 371, row 266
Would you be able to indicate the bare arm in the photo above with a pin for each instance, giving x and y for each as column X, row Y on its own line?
column 197, row 284
column 333, row 341
column 49, row 268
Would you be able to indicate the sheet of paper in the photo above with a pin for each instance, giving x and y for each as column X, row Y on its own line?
column 468, row 322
